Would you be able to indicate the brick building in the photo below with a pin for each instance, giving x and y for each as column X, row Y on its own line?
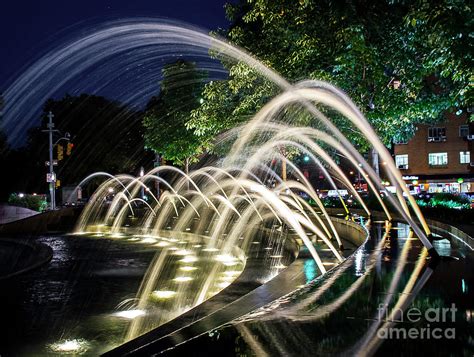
column 439, row 157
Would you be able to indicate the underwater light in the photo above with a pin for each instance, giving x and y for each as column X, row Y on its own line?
column 163, row 294
column 187, row 268
column 189, row 259
column 225, row 258
column 232, row 272
column 183, row 279
column 210, row 250
column 182, row 252
column 148, row 240
column 130, row 314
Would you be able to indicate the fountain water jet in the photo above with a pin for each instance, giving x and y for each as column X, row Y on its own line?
column 217, row 204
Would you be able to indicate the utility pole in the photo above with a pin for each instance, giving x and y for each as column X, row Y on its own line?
column 52, row 176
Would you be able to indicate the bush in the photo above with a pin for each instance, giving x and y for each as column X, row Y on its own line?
column 446, row 200
column 34, row 202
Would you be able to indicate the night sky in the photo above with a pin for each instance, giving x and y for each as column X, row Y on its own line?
column 26, row 27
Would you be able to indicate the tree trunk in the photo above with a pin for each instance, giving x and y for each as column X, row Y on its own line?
column 186, row 170
column 375, row 161
column 186, row 166
column 157, row 163
column 283, row 163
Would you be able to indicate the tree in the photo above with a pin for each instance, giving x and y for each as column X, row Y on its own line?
column 384, row 54
column 107, row 136
column 168, row 113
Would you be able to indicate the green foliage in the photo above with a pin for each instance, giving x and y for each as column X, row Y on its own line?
column 33, row 202
column 446, row 200
column 167, row 114
column 365, row 48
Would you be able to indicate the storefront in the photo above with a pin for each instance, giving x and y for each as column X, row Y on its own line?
column 424, row 184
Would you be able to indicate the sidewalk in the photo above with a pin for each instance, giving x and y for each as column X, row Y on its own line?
column 13, row 213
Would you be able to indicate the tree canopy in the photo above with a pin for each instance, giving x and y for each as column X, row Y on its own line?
column 402, row 62
column 107, row 136
column 167, row 114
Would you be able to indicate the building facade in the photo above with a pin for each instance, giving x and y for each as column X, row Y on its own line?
column 439, row 157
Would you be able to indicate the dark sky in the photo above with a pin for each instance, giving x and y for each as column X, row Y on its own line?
column 27, row 26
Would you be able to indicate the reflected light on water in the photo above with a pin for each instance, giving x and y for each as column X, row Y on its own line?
column 74, row 346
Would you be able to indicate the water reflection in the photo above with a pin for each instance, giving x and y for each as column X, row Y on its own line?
column 347, row 311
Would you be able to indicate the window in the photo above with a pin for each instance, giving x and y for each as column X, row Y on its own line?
column 401, row 161
column 463, row 131
column 436, row 134
column 464, row 157
column 438, row 159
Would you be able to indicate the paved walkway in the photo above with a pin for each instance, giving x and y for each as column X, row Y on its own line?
column 13, row 213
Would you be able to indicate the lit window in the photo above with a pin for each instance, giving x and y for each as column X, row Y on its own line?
column 436, row 134
column 463, row 131
column 464, row 157
column 438, row 158
column 401, row 161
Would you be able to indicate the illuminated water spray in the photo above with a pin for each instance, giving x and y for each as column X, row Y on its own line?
column 207, row 219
